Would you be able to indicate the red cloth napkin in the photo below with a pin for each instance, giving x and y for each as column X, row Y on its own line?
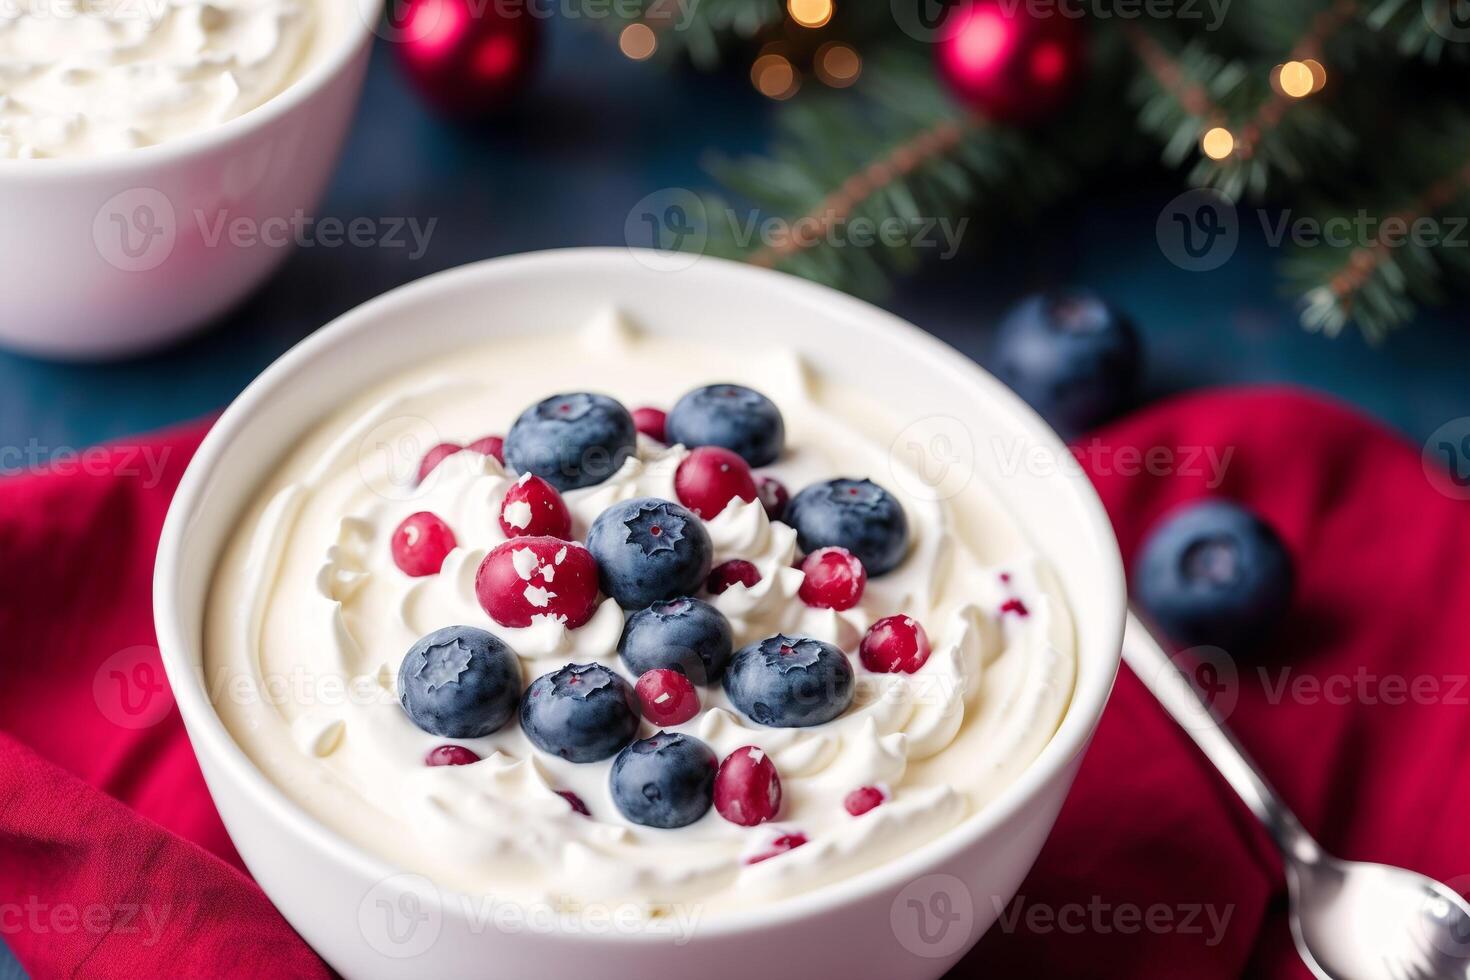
column 113, row 862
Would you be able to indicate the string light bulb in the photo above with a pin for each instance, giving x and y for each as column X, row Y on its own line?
column 838, row 65
column 774, row 77
column 1319, row 74
column 810, row 13
column 1217, row 143
column 1295, row 80
column 638, row 42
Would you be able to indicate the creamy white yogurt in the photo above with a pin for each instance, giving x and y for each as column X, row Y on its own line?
column 88, row 77
column 309, row 619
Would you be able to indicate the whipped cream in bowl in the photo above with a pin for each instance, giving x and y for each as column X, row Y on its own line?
column 312, row 630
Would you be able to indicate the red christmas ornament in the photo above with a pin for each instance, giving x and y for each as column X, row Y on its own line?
column 1007, row 64
column 467, row 58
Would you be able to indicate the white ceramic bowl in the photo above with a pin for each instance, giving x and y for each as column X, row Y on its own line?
column 366, row 919
column 109, row 255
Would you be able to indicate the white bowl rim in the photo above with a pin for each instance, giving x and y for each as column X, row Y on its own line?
column 1090, row 694
column 139, row 162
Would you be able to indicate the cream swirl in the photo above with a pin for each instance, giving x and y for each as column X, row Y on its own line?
column 309, row 588
column 85, row 77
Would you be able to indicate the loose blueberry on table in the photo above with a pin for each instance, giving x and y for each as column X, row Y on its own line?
column 582, row 713
column 1213, row 572
column 572, row 440
column 459, row 682
column 735, row 417
column 683, row 634
column 648, row 550
column 790, row 682
column 857, row 515
column 666, row 781
column 528, row 577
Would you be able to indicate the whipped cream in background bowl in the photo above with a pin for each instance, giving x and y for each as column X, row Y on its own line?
column 282, row 623
column 133, row 131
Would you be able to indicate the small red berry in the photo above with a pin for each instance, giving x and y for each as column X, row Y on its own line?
column 533, row 508
column 726, row 574
column 421, row 543
column 710, row 477
column 1014, row 606
column 782, row 844
column 893, row 645
column 539, row 576
column 835, row 579
column 489, row 446
column 747, row 787
column 773, row 496
column 652, row 422
column 450, row 755
column 435, row 456
column 574, row 801
column 668, row 697
column 861, row 800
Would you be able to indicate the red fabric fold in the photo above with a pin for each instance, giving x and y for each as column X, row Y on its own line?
column 114, row 863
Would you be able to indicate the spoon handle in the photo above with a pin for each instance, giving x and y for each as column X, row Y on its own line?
column 1171, row 683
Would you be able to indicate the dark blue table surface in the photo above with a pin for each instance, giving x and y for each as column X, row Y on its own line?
column 597, row 135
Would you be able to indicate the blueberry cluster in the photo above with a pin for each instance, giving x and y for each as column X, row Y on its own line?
column 651, row 556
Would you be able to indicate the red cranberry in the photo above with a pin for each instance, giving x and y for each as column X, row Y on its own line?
column 668, row 697
column 773, row 496
column 533, row 508
column 861, row 800
column 1014, row 606
column 747, row 787
column 421, row 543
column 652, row 423
column 574, row 801
column 450, row 755
column 835, row 579
column 540, row 576
column 893, row 645
column 435, row 456
column 782, row 844
column 728, row 573
column 489, row 446
column 710, row 477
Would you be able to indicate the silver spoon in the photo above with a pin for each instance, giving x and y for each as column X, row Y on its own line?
column 1351, row 920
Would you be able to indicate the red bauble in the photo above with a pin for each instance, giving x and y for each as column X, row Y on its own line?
column 1009, row 64
column 466, row 58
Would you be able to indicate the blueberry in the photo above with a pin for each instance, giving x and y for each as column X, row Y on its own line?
column 583, row 712
column 459, row 682
column 683, row 634
column 857, row 515
column 790, row 681
column 648, row 550
column 1213, row 573
column 665, row 781
column 571, row 440
column 737, row 418
column 1073, row 357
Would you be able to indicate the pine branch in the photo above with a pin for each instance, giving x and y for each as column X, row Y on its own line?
column 856, row 182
